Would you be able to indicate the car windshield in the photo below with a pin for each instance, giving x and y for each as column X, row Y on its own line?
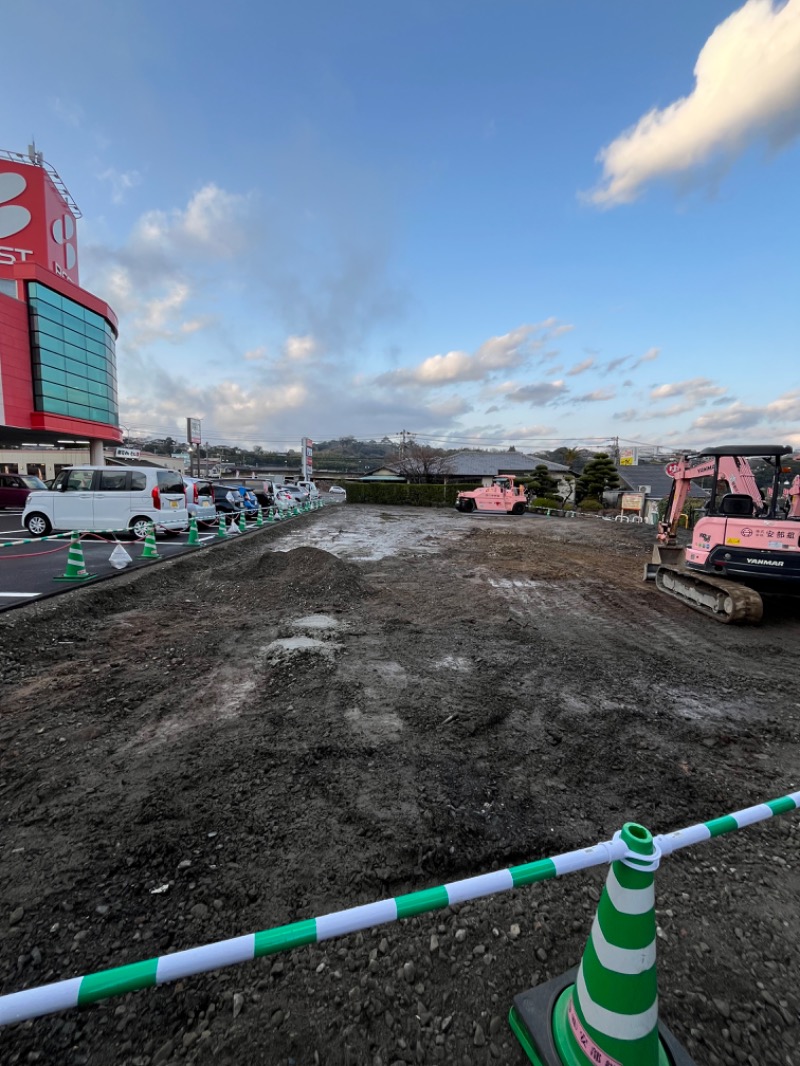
column 33, row 482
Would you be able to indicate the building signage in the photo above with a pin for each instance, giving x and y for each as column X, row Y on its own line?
column 37, row 224
column 632, row 501
column 126, row 453
column 629, row 457
column 193, row 430
column 308, row 459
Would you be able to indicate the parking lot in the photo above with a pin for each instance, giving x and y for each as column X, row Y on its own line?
column 34, row 570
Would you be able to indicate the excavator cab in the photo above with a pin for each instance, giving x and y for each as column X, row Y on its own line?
column 744, row 541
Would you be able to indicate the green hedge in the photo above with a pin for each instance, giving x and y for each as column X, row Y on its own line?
column 394, row 494
column 547, row 501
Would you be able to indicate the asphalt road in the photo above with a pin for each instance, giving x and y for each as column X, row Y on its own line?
column 34, row 571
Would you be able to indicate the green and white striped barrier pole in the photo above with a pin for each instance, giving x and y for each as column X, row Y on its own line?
column 82, row 991
column 59, row 536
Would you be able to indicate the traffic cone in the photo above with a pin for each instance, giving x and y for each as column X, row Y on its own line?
column 242, row 522
column 150, row 550
column 194, row 536
column 606, row 1011
column 259, row 518
column 76, row 567
column 222, row 526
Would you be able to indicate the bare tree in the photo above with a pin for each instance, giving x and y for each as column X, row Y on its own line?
column 420, row 464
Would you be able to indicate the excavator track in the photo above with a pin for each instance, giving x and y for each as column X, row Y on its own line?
column 724, row 601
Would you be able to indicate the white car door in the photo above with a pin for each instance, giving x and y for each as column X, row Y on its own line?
column 74, row 507
column 112, row 499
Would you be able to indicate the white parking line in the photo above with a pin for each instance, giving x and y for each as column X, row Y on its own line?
column 20, row 595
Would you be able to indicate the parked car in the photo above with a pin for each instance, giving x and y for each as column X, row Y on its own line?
column 109, row 497
column 16, row 488
column 200, row 500
column 310, row 488
column 337, row 490
column 227, row 499
column 246, row 495
column 283, row 500
column 300, row 495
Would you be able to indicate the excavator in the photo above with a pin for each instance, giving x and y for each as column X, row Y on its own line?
column 745, row 543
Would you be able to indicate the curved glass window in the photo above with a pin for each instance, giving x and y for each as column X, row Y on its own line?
column 74, row 358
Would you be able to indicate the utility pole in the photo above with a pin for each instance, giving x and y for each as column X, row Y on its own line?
column 407, row 436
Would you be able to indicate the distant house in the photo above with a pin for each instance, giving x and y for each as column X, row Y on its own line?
column 480, row 464
column 653, row 480
column 382, row 473
column 469, row 467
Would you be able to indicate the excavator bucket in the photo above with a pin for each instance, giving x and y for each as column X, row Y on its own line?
column 663, row 555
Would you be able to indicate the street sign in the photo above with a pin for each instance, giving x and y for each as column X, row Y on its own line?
column 671, row 469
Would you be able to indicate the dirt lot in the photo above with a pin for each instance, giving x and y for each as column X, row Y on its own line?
column 484, row 692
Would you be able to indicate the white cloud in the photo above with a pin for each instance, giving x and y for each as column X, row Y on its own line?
column 255, row 355
column 787, row 406
column 696, row 388
column 747, row 88
column 581, row 368
column 300, row 348
column 539, row 393
column 451, row 408
column 648, row 357
column 737, row 416
column 596, row 396
column 497, row 353
column 121, row 182
column 214, row 220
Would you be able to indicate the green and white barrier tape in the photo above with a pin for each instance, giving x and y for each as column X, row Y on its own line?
column 82, row 991
column 59, row 536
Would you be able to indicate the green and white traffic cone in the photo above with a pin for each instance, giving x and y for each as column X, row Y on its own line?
column 76, row 567
column 194, row 536
column 606, row 1011
column 259, row 518
column 242, row 522
column 222, row 526
column 150, row 550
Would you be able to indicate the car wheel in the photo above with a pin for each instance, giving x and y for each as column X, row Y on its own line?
column 38, row 525
column 140, row 526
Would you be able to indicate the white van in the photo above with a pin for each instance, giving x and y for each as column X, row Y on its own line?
column 310, row 488
column 110, row 497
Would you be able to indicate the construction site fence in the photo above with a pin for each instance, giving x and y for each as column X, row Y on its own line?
column 149, row 973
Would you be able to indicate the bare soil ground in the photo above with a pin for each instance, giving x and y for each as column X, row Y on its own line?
column 478, row 693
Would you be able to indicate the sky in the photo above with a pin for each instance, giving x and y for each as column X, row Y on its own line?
column 485, row 222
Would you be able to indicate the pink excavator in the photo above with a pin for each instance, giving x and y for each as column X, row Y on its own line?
column 746, row 542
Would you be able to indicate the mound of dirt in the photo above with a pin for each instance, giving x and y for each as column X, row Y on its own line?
column 309, row 578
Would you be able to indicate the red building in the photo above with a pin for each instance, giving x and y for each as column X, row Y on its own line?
column 58, row 370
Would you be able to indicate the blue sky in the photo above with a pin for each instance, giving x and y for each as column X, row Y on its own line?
column 489, row 222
